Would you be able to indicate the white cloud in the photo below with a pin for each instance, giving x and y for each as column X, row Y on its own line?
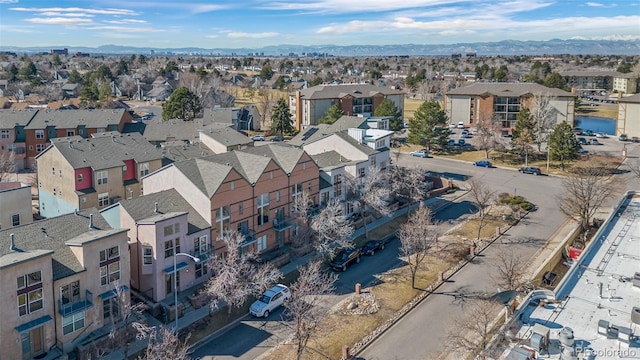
column 119, row 12
column 245, row 35
column 126, row 21
column 595, row 4
column 8, row 1
column 341, row 6
column 125, row 29
column 61, row 21
column 211, row 36
column 608, row 37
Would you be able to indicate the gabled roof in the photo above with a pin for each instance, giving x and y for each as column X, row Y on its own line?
column 343, row 90
column 226, row 136
column 217, row 115
column 250, row 166
column 205, row 174
column 158, row 130
column 330, row 160
column 508, row 90
column 71, row 119
column 315, row 132
column 286, row 157
column 363, row 148
column 9, row 119
column 173, row 151
column 106, row 151
column 55, row 234
column 168, row 201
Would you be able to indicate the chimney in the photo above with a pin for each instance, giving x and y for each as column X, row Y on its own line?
column 90, row 221
column 155, row 208
column 12, row 246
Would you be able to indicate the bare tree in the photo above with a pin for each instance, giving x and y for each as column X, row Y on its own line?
column 584, row 192
column 408, row 184
column 543, row 115
column 306, row 293
column 302, row 209
column 369, row 191
column 481, row 197
column 487, row 133
column 163, row 343
column 471, row 332
column 511, row 270
column 236, row 275
column 333, row 230
column 7, row 164
column 417, row 236
column 266, row 102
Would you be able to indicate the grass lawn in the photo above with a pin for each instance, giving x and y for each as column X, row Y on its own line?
column 410, row 107
column 600, row 111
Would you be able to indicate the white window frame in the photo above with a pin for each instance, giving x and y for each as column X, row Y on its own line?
column 102, row 177
column 202, row 245
column 262, row 243
column 40, row 147
column 71, row 132
column 80, row 178
column 13, row 219
column 4, row 134
column 144, row 169
column 263, row 209
column 223, row 219
column 147, row 255
column 103, row 199
column 39, row 134
column 77, row 322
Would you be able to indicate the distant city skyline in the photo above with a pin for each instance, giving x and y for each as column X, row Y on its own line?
column 258, row 23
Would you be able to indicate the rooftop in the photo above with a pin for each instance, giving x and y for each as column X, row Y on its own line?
column 343, row 90
column 599, row 297
column 71, row 119
column 508, row 89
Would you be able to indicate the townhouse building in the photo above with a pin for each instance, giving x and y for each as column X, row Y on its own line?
column 250, row 191
column 311, row 104
column 628, row 120
column 50, row 124
column 59, row 279
column 503, row 101
column 15, row 204
column 79, row 173
column 161, row 226
column 222, row 139
column 13, row 136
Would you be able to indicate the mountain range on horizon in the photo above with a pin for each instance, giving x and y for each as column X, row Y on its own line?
column 506, row 47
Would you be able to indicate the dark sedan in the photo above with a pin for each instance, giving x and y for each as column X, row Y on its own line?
column 372, row 246
column 483, row 163
column 530, row 170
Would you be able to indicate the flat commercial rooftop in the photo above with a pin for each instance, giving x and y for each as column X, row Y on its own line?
column 599, row 299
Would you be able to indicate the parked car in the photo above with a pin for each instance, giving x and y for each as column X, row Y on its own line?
column 623, row 137
column 594, row 141
column 530, row 170
column 583, row 151
column 466, row 136
column 461, row 125
column 345, row 257
column 582, row 141
column 269, row 301
column 588, row 133
column 483, row 163
column 461, row 142
column 577, row 131
column 635, row 139
column 451, row 142
column 277, row 138
column 420, row 153
column 372, row 246
column 464, row 132
column 602, row 135
column 258, row 138
column 452, row 126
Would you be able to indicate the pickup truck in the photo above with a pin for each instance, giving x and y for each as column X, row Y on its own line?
column 345, row 258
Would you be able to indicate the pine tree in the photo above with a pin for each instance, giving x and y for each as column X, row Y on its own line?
column 388, row 108
column 563, row 144
column 428, row 126
column 281, row 119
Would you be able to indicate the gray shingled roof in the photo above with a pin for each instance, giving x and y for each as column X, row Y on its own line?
column 10, row 118
column 52, row 234
column 104, row 151
column 364, row 148
column 508, row 89
column 330, row 160
column 218, row 115
column 285, row 156
column 158, row 130
column 206, row 175
column 342, row 90
column 226, row 136
column 168, row 201
column 173, row 151
column 630, row 99
column 315, row 132
column 71, row 119
column 250, row 166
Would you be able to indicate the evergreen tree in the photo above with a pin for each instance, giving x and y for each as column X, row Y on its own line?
column 555, row 80
column 523, row 133
column 266, row 73
column 388, row 108
column 281, row 118
column 182, row 104
column 429, row 125
column 74, row 77
column 563, row 144
column 333, row 114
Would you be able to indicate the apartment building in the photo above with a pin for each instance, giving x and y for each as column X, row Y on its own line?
column 13, row 136
column 590, row 79
column 311, row 104
column 15, row 204
column 250, row 191
column 59, row 277
column 628, row 121
column 50, row 124
column 79, row 173
column 504, row 101
column 625, row 84
column 161, row 226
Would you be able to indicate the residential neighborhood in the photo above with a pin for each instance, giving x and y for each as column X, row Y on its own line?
column 158, row 205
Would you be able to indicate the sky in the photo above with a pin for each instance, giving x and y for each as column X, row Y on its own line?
column 258, row 23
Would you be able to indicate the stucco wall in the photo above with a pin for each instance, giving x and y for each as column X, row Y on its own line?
column 15, row 198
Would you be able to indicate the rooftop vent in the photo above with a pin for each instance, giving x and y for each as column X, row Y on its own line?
column 90, row 221
column 155, row 207
column 12, row 246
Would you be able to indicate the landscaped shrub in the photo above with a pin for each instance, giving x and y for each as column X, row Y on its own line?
column 526, row 206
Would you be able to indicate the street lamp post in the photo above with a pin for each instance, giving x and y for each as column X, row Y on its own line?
column 175, row 283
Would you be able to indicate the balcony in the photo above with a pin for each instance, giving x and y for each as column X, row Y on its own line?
column 282, row 223
column 202, row 255
column 70, row 307
column 249, row 236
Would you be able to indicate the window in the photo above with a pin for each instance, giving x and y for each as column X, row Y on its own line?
column 100, row 130
column 171, row 247
column 109, row 265
column 71, row 132
column 82, row 200
column 144, row 169
column 53, row 171
column 40, row 147
column 361, row 172
column 72, row 323
column 232, row 185
column 103, row 199
column 200, row 245
column 15, row 219
column 240, row 208
column 110, row 308
column 12, row 148
column 168, row 230
column 201, row 270
column 4, row 134
column 147, row 255
column 124, row 169
column 29, row 293
column 80, row 178
column 70, row 293
column 337, row 185
column 278, row 196
column 39, row 134
column 102, row 177
column 263, row 209
column 223, row 219
column 309, row 186
column 262, row 243
column 324, row 198
column 60, row 173
column 176, row 228
column 373, row 161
